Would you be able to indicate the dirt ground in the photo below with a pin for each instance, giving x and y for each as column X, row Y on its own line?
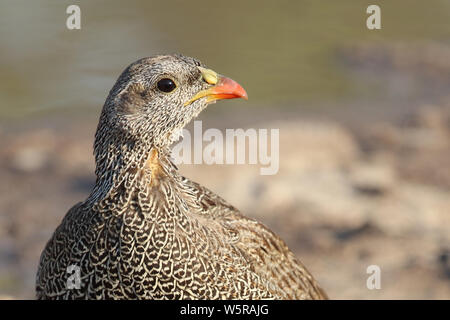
column 345, row 197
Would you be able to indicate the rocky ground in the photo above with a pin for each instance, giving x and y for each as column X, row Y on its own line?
column 345, row 197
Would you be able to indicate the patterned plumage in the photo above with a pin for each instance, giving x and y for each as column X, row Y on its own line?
column 147, row 232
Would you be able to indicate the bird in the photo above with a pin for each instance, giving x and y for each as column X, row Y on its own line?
column 147, row 232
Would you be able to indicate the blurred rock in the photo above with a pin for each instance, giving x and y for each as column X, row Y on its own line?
column 372, row 179
column 29, row 159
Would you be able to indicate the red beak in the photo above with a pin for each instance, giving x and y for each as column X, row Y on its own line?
column 227, row 89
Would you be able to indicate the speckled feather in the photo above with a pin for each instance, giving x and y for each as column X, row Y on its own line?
column 145, row 231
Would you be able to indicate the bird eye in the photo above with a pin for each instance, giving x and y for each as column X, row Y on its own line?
column 166, row 85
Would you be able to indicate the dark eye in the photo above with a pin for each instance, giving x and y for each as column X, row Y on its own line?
column 166, row 85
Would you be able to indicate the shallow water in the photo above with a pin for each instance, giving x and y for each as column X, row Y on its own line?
column 284, row 53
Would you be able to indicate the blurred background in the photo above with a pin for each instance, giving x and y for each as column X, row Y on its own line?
column 364, row 119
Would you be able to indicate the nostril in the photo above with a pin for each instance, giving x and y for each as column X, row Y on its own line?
column 209, row 75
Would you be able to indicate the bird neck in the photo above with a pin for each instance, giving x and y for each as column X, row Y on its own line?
column 125, row 164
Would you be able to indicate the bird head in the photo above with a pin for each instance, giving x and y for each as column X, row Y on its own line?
column 155, row 97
